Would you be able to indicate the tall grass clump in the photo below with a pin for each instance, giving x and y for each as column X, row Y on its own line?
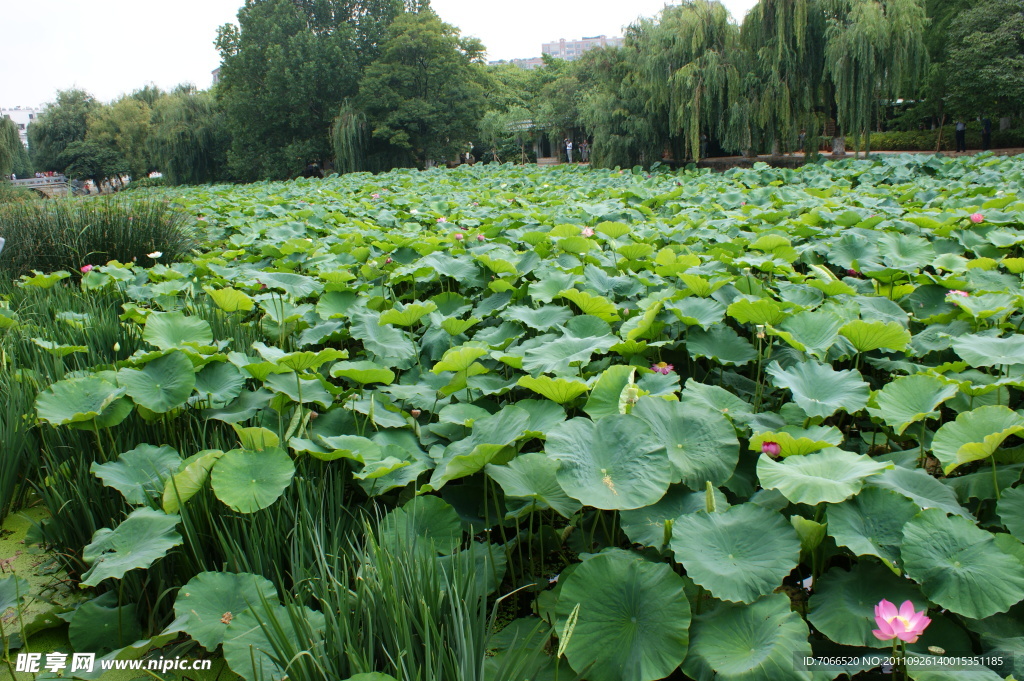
column 11, row 193
column 69, row 233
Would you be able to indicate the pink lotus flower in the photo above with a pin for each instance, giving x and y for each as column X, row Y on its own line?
column 977, row 218
column 388, row 261
column 458, row 236
column 662, row 368
column 958, row 293
column 86, row 268
column 375, row 195
column 480, row 237
column 587, row 231
column 771, row 448
column 442, row 219
column 904, row 624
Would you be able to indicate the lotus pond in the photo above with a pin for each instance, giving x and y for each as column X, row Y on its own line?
column 520, row 423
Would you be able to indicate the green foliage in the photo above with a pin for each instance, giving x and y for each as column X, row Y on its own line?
column 189, row 139
column 60, row 125
column 13, row 154
column 124, row 127
column 422, row 97
column 68, row 234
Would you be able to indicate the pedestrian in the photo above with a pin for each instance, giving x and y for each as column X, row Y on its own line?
column 703, row 145
column 568, row 149
column 961, row 136
column 986, row 133
column 585, row 150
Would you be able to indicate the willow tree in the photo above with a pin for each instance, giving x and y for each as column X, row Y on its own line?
column 189, row 139
column 706, row 90
column 874, row 51
column 13, row 154
column 785, row 40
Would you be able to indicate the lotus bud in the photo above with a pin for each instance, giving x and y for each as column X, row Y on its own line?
column 416, row 413
column 117, row 347
column 709, row 498
column 313, row 415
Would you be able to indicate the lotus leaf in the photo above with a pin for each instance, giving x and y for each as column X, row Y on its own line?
column 249, row 480
column 211, row 600
column 142, row 538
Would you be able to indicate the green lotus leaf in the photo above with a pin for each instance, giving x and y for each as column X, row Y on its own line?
column 256, row 437
column 218, row 383
column 795, row 441
column 701, row 443
column 230, row 300
column 590, row 304
column 363, row 372
column 616, row 462
column 457, row 327
column 139, row 474
column 702, row 312
column 959, row 566
column 544, row 415
column 424, row 521
column 211, row 600
column 529, row 484
column 141, row 539
column 248, row 650
column 336, row 304
column 77, row 400
column 986, row 351
column 613, row 230
column 762, row 311
column 459, row 358
column 58, row 350
column 974, row 435
column 558, row 390
column 819, row 389
column 830, row 475
column 307, row 360
column 301, row 388
column 633, row 618
column 44, row 280
column 169, row 330
column 871, row 524
column 910, row 399
column 161, row 385
column 385, row 344
column 489, row 442
column 812, row 332
column 407, row 315
column 100, row 625
column 604, row 396
column 295, row 285
column 843, row 603
column 562, row 355
column 247, row 480
column 739, row 554
column 721, row 344
column 652, row 525
column 1011, row 510
column 189, row 479
column 756, row 642
column 873, row 335
column 542, row 318
column 13, row 591
column 920, row 487
column 715, row 398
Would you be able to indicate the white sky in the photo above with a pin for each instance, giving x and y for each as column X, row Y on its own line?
column 117, row 46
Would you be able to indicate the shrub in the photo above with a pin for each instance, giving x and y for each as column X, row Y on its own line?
column 67, row 234
column 927, row 140
column 145, row 183
column 10, row 193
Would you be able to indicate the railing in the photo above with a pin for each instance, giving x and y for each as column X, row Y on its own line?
column 40, row 181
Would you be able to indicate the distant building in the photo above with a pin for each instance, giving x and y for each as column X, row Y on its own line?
column 572, row 49
column 22, row 116
column 216, row 75
column 528, row 64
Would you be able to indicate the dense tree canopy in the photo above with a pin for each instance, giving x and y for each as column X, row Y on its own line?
column 62, row 123
column 13, row 154
column 189, row 138
column 124, row 128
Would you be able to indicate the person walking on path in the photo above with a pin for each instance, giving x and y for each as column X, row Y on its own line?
column 986, row 133
column 961, row 136
column 568, row 149
column 585, row 150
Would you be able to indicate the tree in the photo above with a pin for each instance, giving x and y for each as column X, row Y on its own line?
column 124, row 126
column 149, row 94
column 61, row 124
column 13, row 154
column 874, row 50
column 189, row 139
column 87, row 160
column 785, row 41
column 984, row 65
column 424, row 96
column 286, row 69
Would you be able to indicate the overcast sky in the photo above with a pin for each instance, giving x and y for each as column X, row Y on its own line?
column 113, row 47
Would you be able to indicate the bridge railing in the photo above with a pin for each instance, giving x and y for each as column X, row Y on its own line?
column 39, row 181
